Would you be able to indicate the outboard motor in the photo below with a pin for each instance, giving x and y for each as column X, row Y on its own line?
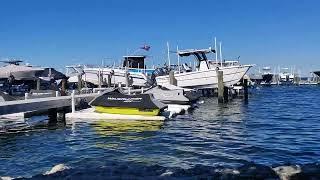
column 158, row 72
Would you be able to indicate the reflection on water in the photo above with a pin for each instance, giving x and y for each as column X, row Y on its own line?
column 278, row 125
column 116, row 127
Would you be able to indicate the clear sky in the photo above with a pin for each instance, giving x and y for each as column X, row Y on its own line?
column 65, row 32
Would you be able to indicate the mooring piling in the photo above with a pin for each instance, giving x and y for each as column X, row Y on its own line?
column 245, row 89
column 221, row 89
column 109, row 80
column 126, row 75
column 172, row 79
column 38, row 84
column 79, row 82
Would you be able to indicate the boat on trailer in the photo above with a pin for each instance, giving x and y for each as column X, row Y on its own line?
column 115, row 102
column 204, row 75
column 133, row 67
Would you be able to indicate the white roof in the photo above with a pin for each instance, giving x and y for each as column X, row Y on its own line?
column 133, row 56
column 190, row 51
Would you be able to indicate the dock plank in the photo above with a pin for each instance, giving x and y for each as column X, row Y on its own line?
column 10, row 107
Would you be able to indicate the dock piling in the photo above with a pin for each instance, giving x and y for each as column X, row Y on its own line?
column 63, row 87
column 52, row 115
column 38, row 84
column 245, row 89
column 100, row 79
column 79, row 82
column 225, row 94
column 126, row 77
column 172, row 79
column 109, row 80
column 221, row 88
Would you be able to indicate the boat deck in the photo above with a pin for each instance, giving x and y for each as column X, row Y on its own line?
column 90, row 114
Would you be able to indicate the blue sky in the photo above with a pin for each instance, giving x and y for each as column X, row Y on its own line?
column 58, row 33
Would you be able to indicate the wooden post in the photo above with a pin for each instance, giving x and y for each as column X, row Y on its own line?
column 220, row 87
column 126, row 75
column 79, row 82
column 63, row 87
column 52, row 115
column 38, row 84
column 109, row 80
column 245, row 89
column 61, row 116
column 99, row 79
column 172, row 79
column 226, row 94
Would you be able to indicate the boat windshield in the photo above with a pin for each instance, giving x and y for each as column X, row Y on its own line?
column 72, row 70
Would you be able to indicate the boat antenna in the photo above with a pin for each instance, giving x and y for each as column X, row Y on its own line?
column 221, row 52
column 168, row 48
column 178, row 58
column 215, row 48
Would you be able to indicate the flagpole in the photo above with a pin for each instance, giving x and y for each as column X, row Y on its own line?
column 168, row 48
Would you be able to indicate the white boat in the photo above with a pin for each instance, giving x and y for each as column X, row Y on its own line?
column 286, row 77
column 15, row 71
column 205, row 74
column 138, row 75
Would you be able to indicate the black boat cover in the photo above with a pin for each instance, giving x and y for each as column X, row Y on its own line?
column 115, row 98
column 54, row 74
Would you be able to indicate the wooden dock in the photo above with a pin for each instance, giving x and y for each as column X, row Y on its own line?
column 43, row 104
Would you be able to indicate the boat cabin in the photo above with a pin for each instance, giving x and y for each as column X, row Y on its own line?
column 200, row 55
column 134, row 62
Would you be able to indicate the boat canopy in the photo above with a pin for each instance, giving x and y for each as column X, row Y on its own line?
column 135, row 61
column 188, row 52
column 200, row 54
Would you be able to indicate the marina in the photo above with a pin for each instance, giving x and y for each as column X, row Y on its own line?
column 159, row 90
column 115, row 103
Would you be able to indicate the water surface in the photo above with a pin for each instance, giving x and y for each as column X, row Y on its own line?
column 279, row 125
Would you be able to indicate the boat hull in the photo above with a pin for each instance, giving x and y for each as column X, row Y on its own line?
column 127, row 111
column 117, row 76
column 207, row 79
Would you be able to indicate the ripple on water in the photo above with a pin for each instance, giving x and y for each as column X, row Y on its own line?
column 278, row 125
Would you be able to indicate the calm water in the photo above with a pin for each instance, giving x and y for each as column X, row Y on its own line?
column 279, row 125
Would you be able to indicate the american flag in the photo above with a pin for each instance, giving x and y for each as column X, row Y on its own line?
column 145, row 47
